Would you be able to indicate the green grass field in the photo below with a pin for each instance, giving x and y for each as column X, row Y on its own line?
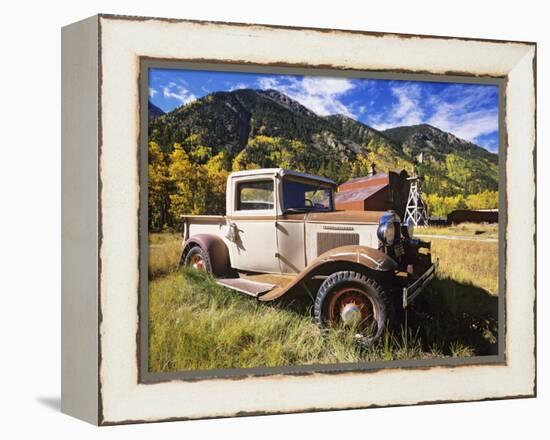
column 472, row 230
column 164, row 253
column 196, row 324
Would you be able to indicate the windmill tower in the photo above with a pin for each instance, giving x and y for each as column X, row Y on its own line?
column 416, row 211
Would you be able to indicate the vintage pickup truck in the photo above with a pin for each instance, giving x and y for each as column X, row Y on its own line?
column 282, row 236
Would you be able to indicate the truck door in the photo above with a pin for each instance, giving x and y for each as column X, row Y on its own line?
column 290, row 240
column 252, row 232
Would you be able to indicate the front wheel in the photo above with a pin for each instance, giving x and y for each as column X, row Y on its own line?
column 351, row 299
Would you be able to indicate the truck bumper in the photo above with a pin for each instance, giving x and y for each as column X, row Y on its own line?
column 413, row 290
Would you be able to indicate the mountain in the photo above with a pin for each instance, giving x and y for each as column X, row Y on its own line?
column 434, row 143
column 451, row 165
column 268, row 128
column 353, row 129
column 226, row 120
column 154, row 111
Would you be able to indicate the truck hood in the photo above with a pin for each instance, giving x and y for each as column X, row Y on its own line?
column 354, row 217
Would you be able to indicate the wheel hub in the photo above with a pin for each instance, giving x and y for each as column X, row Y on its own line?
column 197, row 262
column 350, row 314
column 353, row 308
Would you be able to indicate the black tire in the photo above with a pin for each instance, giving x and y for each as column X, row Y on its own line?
column 196, row 254
column 368, row 289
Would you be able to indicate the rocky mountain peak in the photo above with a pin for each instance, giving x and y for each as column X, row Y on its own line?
column 334, row 146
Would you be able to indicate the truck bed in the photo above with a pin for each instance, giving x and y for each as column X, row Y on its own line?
column 206, row 218
column 204, row 224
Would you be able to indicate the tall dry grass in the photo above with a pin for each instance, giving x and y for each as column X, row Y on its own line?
column 196, row 324
column 473, row 230
column 468, row 262
column 164, row 253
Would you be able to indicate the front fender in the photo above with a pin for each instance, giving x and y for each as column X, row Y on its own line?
column 354, row 255
column 363, row 255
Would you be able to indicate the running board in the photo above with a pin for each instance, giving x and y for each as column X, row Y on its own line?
column 252, row 288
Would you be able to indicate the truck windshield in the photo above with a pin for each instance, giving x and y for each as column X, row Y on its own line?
column 306, row 196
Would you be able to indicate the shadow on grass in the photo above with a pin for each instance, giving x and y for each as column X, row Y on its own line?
column 448, row 319
column 454, row 317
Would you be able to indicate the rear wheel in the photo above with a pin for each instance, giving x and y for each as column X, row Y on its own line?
column 196, row 258
column 351, row 299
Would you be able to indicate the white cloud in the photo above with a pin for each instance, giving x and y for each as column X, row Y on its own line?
column 407, row 109
column 238, row 86
column 330, row 86
column 464, row 124
column 266, row 83
column 320, row 95
column 466, row 111
column 152, row 92
column 178, row 92
column 460, row 110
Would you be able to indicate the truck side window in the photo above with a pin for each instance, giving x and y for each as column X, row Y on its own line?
column 255, row 195
column 306, row 196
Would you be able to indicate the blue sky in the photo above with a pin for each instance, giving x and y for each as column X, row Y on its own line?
column 469, row 111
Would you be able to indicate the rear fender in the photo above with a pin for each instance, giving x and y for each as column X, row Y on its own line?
column 352, row 257
column 216, row 249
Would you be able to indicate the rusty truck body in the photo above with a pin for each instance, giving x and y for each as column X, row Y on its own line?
column 282, row 236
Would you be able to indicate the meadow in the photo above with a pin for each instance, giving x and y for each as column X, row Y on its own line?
column 470, row 230
column 164, row 253
column 196, row 324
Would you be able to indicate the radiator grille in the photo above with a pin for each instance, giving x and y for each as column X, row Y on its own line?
column 326, row 241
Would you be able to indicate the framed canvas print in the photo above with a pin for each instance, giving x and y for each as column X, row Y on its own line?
column 262, row 220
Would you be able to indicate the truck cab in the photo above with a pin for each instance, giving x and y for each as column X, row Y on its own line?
column 268, row 208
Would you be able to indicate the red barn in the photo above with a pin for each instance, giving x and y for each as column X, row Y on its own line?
column 375, row 192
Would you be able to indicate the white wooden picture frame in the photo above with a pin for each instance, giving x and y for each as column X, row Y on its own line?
column 101, row 59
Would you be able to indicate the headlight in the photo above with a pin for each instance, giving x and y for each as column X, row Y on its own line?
column 407, row 229
column 389, row 229
column 386, row 233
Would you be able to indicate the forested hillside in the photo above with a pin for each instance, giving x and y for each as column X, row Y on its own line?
column 193, row 148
